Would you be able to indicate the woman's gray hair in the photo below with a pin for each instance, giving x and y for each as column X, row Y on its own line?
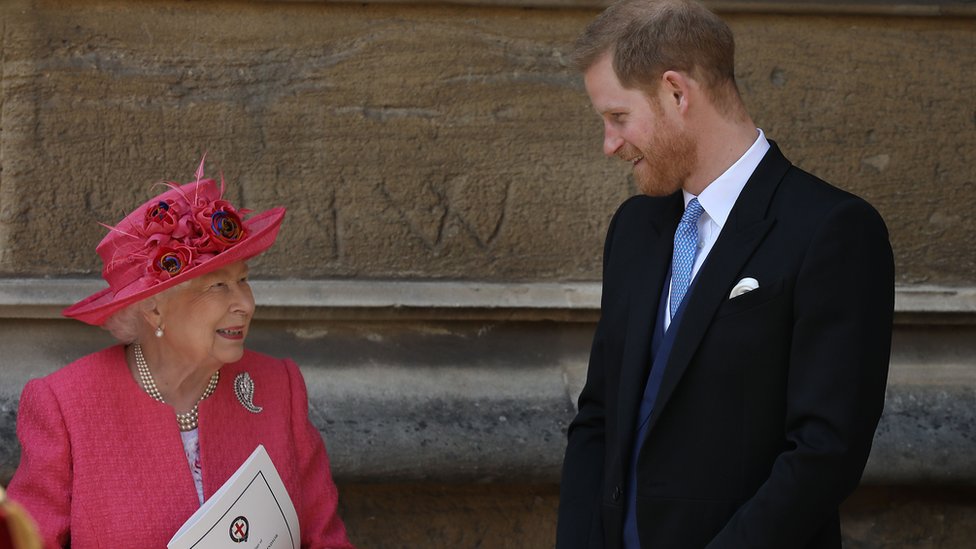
column 124, row 324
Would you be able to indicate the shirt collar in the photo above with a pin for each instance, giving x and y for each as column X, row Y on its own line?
column 720, row 195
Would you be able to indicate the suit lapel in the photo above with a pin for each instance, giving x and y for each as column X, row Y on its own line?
column 648, row 272
column 747, row 226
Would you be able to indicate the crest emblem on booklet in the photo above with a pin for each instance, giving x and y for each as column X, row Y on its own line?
column 238, row 529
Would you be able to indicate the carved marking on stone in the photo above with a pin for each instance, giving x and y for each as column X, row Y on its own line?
column 428, row 207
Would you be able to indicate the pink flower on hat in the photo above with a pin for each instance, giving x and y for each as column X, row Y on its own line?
column 161, row 217
column 219, row 225
column 170, row 261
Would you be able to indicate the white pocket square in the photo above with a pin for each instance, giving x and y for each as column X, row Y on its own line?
column 745, row 285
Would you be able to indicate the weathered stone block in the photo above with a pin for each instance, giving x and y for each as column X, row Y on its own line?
column 416, row 141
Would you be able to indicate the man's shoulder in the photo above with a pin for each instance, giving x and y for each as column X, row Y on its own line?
column 640, row 203
column 644, row 209
column 810, row 196
column 795, row 187
column 641, row 217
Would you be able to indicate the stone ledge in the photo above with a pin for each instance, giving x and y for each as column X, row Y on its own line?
column 448, row 299
column 466, row 401
column 348, row 299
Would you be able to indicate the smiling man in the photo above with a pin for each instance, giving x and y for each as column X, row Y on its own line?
column 738, row 369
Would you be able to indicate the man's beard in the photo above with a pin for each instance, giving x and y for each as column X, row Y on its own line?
column 668, row 163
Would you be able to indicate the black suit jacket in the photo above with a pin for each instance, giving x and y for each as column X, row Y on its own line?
column 769, row 401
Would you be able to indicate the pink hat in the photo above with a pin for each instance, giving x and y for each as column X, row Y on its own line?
column 183, row 233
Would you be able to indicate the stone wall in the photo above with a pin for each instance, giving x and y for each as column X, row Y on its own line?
column 442, row 141
column 437, row 275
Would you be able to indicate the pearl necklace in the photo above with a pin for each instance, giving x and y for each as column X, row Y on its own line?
column 186, row 420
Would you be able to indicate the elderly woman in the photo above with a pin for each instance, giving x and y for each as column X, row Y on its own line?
column 120, row 447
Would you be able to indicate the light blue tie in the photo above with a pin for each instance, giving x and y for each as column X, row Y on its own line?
column 685, row 249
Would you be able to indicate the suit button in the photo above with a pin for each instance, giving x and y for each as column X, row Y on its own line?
column 617, row 492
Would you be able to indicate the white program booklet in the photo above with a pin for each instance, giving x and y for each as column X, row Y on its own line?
column 252, row 509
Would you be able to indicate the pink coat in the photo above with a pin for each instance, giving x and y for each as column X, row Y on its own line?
column 103, row 465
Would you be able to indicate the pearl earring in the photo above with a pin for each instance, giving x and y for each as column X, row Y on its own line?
column 159, row 331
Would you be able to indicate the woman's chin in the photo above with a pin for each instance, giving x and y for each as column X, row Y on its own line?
column 230, row 352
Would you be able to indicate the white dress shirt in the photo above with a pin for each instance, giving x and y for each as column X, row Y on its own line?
column 717, row 200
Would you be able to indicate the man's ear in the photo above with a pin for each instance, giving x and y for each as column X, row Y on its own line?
column 675, row 90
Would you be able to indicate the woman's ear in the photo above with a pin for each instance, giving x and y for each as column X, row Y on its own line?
column 150, row 312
